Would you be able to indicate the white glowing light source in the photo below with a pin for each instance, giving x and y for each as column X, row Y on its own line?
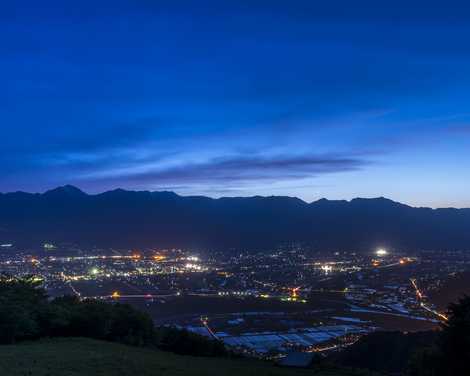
column 193, row 266
column 326, row 268
column 381, row 252
column 94, row 271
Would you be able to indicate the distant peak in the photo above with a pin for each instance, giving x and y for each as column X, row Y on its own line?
column 325, row 201
column 377, row 200
column 165, row 194
column 68, row 190
column 119, row 192
column 372, row 199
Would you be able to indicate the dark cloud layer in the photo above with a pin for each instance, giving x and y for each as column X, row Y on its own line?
column 245, row 169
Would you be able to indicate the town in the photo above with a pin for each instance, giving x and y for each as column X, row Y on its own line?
column 261, row 304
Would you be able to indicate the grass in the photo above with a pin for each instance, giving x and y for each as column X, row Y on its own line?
column 85, row 357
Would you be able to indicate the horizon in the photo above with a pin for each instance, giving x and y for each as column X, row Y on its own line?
column 216, row 99
column 65, row 186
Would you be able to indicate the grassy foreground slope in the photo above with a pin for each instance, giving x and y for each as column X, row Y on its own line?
column 85, row 357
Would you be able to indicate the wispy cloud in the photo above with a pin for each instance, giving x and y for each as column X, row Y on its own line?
column 239, row 169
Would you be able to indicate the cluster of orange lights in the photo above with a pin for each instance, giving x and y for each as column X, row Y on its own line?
column 157, row 257
column 115, row 295
column 405, row 260
column 294, row 292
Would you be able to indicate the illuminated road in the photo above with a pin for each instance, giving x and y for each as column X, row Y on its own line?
column 204, row 321
column 117, row 295
column 419, row 294
column 389, row 265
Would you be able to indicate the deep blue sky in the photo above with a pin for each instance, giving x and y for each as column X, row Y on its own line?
column 302, row 98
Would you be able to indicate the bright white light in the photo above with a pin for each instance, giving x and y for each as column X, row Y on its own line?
column 326, row 268
column 193, row 266
column 381, row 252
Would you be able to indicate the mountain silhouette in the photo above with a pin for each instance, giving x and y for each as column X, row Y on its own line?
column 123, row 219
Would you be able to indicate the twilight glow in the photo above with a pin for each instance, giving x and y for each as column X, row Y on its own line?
column 300, row 98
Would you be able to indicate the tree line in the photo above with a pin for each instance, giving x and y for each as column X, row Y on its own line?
column 442, row 352
column 28, row 313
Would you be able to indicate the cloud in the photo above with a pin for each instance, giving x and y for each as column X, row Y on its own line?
column 242, row 169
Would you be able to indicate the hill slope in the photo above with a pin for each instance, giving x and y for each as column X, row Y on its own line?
column 122, row 218
column 79, row 357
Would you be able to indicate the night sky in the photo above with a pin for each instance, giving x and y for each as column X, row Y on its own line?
column 233, row 98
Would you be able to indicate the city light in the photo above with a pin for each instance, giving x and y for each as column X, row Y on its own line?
column 326, row 268
column 381, row 252
column 380, row 283
column 159, row 257
column 192, row 266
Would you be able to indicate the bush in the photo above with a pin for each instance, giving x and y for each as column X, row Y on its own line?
column 27, row 313
column 21, row 302
column 186, row 343
column 432, row 353
column 450, row 354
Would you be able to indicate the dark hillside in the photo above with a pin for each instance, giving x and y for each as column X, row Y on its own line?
column 122, row 218
column 80, row 357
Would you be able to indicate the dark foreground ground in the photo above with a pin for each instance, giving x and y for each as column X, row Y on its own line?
column 77, row 356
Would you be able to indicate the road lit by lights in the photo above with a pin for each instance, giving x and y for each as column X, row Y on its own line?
column 420, row 296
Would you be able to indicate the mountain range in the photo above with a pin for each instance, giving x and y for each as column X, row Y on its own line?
column 121, row 218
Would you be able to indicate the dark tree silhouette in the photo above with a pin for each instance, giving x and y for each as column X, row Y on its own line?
column 454, row 342
column 26, row 313
column 449, row 355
